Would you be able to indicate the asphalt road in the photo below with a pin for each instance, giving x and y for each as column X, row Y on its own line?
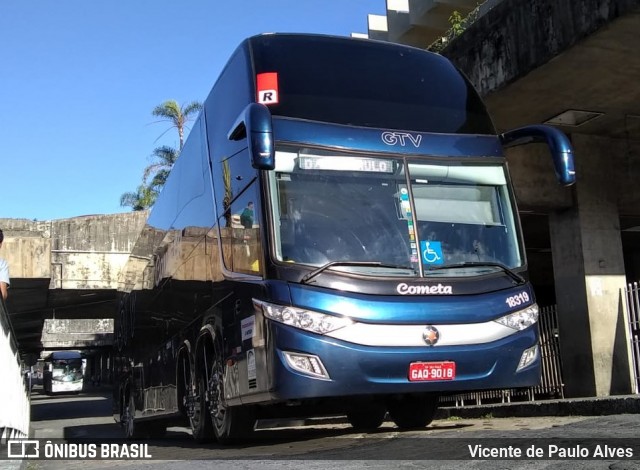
column 486, row 443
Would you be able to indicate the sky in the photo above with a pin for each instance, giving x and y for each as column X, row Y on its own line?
column 79, row 79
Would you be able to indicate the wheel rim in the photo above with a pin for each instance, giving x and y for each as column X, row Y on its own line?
column 216, row 390
column 198, row 405
column 129, row 414
column 191, row 401
column 201, row 397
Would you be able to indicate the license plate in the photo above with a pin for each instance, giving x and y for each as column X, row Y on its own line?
column 428, row 371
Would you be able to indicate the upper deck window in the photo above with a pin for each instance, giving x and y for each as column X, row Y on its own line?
column 368, row 83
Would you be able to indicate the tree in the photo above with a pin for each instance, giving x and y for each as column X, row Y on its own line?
column 228, row 192
column 164, row 157
column 177, row 115
column 142, row 199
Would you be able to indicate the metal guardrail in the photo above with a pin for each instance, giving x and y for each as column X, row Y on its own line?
column 551, row 385
column 15, row 405
column 632, row 300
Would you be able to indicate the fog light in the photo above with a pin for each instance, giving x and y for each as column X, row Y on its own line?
column 528, row 356
column 306, row 364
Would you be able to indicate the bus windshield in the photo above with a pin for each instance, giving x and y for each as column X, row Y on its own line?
column 397, row 212
column 66, row 370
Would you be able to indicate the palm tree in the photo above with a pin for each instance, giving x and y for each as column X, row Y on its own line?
column 177, row 115
column 228, row 192
column 142, row 199
column 165, row 157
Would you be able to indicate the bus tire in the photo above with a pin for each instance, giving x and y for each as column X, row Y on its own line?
column 413, row 411
column 367, row 418
column 201, row 426
column 230, row 424
column 236, row 424
column 132, row 430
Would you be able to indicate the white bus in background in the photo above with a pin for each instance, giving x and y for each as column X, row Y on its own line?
column 64, row 372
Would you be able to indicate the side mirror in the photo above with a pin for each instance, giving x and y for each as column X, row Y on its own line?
column 556, row 140
column 254, row 124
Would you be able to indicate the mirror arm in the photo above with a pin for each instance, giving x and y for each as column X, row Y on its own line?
column 239, row 129
column 556, row 140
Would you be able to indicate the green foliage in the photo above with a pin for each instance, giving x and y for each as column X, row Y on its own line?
column 228, row 192
column 164, row 157
column 143, row 198
column 177, row 115
column 458, row 24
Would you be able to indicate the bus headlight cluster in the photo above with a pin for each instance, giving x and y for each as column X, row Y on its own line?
column 521, row 319
column 304, row 319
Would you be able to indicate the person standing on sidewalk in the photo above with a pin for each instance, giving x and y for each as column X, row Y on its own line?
column 4, row 273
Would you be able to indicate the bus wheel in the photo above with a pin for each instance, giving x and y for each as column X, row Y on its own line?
column 413, row 411
column 128, row 419
column 367, row 418
column 230, row 424
column 201, row 427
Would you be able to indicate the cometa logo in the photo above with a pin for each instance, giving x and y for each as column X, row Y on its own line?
column 405, row 289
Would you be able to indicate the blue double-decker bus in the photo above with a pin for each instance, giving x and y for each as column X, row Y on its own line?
column 338, row 235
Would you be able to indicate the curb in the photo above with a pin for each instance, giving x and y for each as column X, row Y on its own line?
column 628, row 404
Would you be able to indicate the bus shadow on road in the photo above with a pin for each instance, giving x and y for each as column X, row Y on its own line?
column 181, row 437
column 57, row 408
column 263, row 443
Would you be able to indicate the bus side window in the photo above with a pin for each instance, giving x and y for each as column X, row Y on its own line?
column 240, row 227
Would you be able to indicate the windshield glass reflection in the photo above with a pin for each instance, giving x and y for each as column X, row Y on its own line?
column 338, row 208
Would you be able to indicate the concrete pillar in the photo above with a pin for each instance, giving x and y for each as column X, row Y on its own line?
column 589, row 272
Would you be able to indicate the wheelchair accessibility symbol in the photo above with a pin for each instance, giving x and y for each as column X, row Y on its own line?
column 431, row 252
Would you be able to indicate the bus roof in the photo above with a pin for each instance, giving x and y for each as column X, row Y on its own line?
column 57, row 355
column 361, row 82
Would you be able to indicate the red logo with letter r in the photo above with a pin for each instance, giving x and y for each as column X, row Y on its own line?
column 267, row 88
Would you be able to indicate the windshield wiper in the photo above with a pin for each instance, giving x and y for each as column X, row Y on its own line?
column 331, row 264
column 516, row 277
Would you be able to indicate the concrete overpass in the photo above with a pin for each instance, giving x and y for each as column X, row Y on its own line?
column 573, row 64
column 66, row 272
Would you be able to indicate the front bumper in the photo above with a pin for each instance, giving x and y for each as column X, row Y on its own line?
column 365, row 370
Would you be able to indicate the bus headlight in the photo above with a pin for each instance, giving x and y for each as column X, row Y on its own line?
column 521, row 319
column 304, row 319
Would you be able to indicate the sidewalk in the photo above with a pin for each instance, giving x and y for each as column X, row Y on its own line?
column 620, row 404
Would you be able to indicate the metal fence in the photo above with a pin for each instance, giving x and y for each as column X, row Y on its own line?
column 632, row 301
column 551, row 385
